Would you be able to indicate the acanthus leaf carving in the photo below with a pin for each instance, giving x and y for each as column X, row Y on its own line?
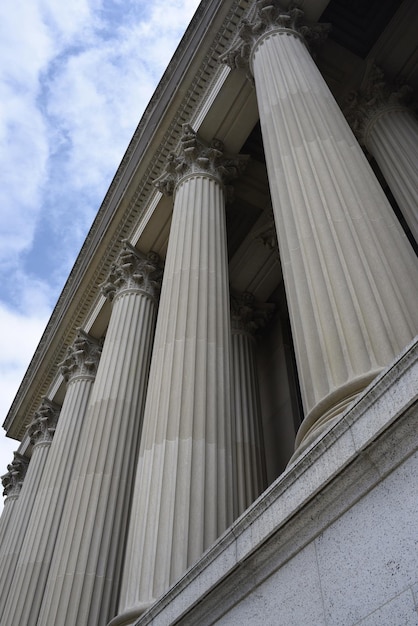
column 42, row 427
column 375, row 97
column 16, row 472
column 196, row 157
column 82, row 358
column 248, row 315
column 270, row 16
column 134, row 271
column 268, row 236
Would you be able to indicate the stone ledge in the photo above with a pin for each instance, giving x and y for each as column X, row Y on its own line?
column 337, row 470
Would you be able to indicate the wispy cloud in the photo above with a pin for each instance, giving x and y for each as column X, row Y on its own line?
column 19, row 338
column 74, row 81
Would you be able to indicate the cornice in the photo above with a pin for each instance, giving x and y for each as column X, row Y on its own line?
column 191, row 72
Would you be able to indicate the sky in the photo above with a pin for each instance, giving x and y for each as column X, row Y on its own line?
column 75, row 78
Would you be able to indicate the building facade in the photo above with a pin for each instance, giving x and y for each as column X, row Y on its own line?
column 219, row 423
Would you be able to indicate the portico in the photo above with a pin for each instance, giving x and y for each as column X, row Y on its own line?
column 215, row 412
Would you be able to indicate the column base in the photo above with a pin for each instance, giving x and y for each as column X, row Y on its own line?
column 130, row 616
column 328, row 411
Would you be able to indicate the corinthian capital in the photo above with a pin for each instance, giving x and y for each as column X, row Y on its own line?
column 196, row 157
column 375, row 97
column 42, row 427
column 247, row 315
column 270, row 16
column 268, row 236
column 82, row 358
column 134, row 271
column 16, row 471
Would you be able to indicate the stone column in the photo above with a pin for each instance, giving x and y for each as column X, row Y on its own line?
column 349, row 271
column 184, row 488
column 41, row 431
column 384, row 124
column 83, row 579
column 27, row 587
column 246, row 319
column 12, row 485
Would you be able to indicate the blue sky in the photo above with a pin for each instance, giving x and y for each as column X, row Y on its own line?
column 75, row 78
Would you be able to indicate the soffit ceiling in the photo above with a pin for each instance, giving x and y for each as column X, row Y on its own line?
column 357, row 24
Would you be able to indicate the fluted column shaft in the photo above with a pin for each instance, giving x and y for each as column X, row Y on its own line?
column 246, row 409
column 392, row 139
column 41, row 431
column 27, row 587
column 383, row 123
column 349, row 271
column 83, row 578
column 6, row 516
column 183, row 496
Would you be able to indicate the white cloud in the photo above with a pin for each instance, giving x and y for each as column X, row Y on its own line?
column 25, row 41
column 70, row 22
column 19, row 336
column 18, row 344
column 23, row 155
column 23, row 145
column 100, row 91
column 32, row 36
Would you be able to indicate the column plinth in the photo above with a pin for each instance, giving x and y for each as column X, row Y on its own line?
column 385, row 125
column 350, row 273
column 79, row 369
column 184, row 491
column 41, row 431
column 83, row 579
